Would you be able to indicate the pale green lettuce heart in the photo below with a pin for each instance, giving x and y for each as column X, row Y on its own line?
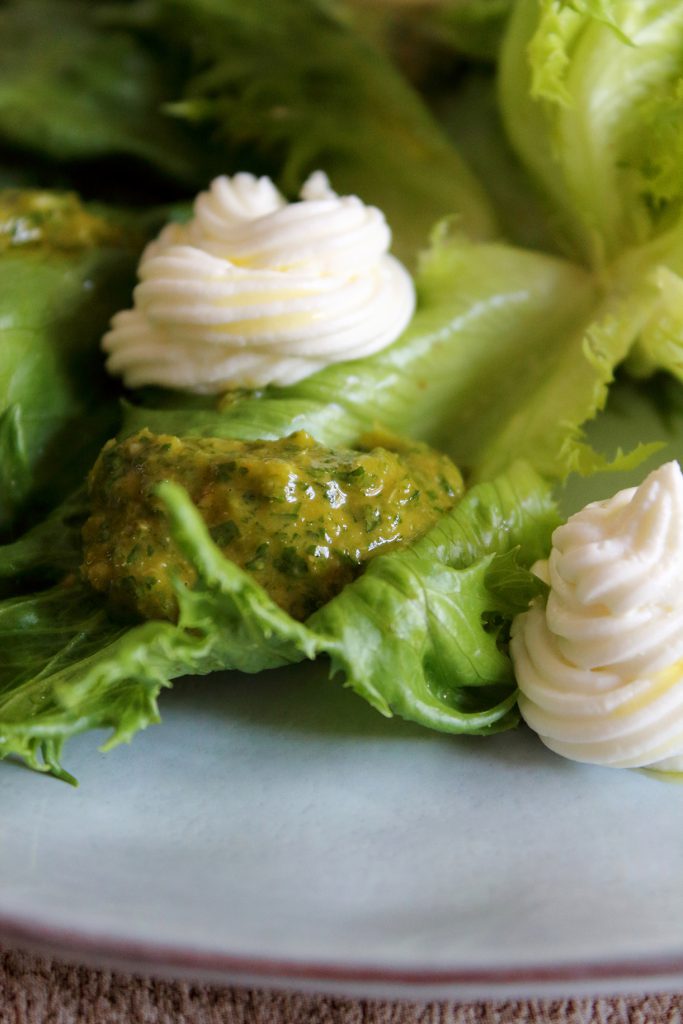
column 591, row 98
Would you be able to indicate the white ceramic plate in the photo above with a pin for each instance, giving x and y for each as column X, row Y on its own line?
column 276, row 830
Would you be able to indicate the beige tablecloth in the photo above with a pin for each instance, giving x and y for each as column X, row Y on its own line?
column 38, row 991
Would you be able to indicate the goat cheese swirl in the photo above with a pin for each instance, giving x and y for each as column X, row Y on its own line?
column 256, row 291
column 600, row 667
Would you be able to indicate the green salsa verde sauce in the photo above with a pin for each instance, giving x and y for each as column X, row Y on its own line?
column 301, row 518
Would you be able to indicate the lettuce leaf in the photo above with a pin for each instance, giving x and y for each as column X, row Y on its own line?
column 509, row 353
column 591, row 96
column 417, row 34
column 200, row 87
column 194, row 88
column 64, row 270
column 47, row 551
column 468, row 110
column 88, row 90
column 471, row 28
column 291, row 87
column 654, row 272
column 409, row 636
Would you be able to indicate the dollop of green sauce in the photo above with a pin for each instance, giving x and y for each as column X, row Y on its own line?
column 302, row 518
column 59, row 221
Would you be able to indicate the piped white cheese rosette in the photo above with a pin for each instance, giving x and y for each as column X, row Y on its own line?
column 600, row 667
column 256, row 291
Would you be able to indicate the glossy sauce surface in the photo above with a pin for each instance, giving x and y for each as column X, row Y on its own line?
column 301, row 518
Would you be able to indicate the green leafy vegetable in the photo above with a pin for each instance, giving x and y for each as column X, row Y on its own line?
column 472, row 28
column 418, row 35
column 64, row 271
column 468, row 109
column 42, row 636
column 71, row 668
column 654, row 275
column 513, row 584
column 591, row 97
column 199, row 87
column 410, row 635
column 294, row 87
column 87, row 90
column 49, row 550
column 509, row 353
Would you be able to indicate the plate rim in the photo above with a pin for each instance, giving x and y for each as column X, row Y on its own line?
column 149, row 955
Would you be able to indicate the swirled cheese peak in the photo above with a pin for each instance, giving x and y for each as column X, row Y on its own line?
column 256, row 291
column 600, row 667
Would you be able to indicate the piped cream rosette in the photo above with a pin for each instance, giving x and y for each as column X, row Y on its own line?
column 600, row 667
column 256, row 291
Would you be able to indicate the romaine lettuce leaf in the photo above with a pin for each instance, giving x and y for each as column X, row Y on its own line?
column 409, row 636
